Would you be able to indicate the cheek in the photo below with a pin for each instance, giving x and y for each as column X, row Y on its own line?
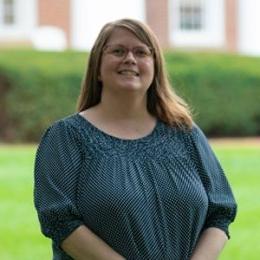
column 148, row 67
column 107, row 66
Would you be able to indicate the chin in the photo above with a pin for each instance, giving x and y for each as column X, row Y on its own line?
column 130, row 87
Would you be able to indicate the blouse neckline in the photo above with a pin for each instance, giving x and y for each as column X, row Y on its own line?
column 118, row 139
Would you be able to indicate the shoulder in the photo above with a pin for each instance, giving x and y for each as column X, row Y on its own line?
column 193, row 139
column 68, row 124
column 70, row 121
column 202, row 146
column 62, row 130
column 185, row 134
column 197, row 135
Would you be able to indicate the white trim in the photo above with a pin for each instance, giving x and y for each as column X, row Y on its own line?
column 213, row 33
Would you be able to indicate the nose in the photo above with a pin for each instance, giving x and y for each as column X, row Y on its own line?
column 130, row 57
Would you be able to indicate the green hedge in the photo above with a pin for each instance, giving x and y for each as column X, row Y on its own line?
column 37, row 88
column 223, row 90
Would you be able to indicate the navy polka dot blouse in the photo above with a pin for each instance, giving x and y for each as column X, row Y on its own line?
column 148, row 198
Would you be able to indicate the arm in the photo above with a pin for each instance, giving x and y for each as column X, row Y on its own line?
column 222, row 206
column 57, row 168
column 82, row 244
column 210, row 244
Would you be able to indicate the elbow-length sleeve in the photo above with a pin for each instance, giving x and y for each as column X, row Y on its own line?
column 222, row 205
column 57, row 168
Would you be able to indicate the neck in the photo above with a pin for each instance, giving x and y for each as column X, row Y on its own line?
column 130, row 107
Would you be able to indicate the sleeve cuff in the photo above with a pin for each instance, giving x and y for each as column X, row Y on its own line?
column 59, row 228
column 220, row 224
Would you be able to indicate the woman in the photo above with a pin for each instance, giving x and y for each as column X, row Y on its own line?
column 130, row 176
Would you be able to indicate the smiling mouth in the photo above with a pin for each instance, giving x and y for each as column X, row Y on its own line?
column 128, row 73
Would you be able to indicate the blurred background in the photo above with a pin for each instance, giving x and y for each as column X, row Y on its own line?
column 212, row 53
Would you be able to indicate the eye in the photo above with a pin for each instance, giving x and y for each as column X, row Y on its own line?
column 118, row 51
column 142, row 52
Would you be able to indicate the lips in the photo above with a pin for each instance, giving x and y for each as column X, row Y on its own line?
column 128, row 73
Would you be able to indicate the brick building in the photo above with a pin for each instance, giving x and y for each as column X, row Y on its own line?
column 226, row 25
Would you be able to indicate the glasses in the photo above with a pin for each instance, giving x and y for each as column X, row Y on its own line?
column 119, row 51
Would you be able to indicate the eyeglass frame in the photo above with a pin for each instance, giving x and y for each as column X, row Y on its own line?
column 127, row 50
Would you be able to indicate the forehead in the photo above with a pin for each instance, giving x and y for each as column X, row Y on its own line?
column 124, row 37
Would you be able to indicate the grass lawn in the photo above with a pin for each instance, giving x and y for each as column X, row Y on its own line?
column 20, row 236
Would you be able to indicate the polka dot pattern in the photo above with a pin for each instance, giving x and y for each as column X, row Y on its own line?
column 148, row 198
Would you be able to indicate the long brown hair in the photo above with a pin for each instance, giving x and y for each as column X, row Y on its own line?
column 162, row 101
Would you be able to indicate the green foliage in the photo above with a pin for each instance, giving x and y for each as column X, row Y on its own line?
column 20, row 232
column 37, row 88
column 223, row 90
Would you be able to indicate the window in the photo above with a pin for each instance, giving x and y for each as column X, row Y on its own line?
column 18, row 20
column 191, row 15
column 7, row 12
column 197, row 23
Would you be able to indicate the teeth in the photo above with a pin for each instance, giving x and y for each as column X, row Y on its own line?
column 128, row 73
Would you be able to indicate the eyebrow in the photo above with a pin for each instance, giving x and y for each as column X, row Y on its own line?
column 122, row 45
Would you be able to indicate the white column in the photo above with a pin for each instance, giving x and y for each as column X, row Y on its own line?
column 248, row 27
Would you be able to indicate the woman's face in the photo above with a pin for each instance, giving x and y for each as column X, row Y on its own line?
column 127, row 63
